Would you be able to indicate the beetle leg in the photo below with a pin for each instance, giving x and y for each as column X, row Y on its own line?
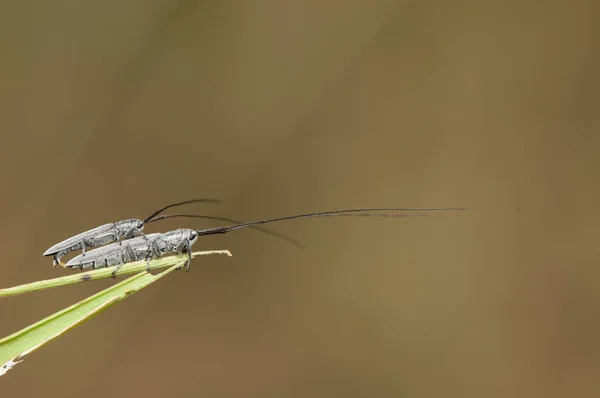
column 180, row 247
column 128, row 254
column 113, row 274
column 155, row 248
column 153, row 252
column 186, row 245
column 115, row 234
column 86, row 243
column 148, row 256
column 57, row 257
column 189, row 252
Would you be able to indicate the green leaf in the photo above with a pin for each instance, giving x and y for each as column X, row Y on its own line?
column 14, row 347
column 129, row 268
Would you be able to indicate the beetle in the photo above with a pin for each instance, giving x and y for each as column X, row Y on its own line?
column 111, row 232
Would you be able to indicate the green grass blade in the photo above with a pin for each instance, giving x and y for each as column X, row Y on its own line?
column 14, row 347
column 129, row 268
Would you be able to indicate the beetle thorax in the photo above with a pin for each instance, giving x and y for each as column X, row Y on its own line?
column 129, row 228
column 178, row 236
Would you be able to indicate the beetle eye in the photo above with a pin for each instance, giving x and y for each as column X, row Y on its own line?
column 140, row 225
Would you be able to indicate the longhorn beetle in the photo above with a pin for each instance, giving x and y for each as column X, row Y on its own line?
column 108, row 233
column 181, row 240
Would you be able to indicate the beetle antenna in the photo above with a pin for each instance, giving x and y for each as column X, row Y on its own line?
column 346, row 212
column 157, row 212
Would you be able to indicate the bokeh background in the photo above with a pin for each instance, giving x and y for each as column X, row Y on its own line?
column 111, row 109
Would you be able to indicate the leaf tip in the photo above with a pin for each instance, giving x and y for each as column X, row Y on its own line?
column 9, row 365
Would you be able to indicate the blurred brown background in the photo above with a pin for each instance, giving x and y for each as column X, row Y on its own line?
column 111, row 109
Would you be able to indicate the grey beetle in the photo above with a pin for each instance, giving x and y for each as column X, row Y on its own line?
column 111, row 232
